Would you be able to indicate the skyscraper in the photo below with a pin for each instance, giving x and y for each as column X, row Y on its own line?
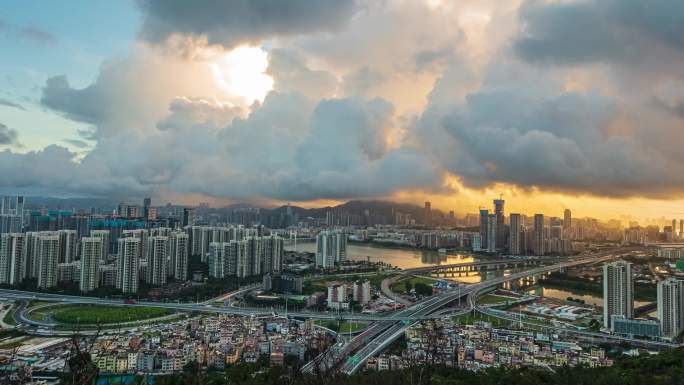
column 428, row 213
column 618, row 291
column 127, row 264
column 500, row 226
column 20, row 210
column 491, row 233
column 567, row 219
column 147, row 202
column 484, row 219
column 515, row 237
column 188, row 218
column 538, row 235
column 671, row 307
column 156, row 260
column 91, row 255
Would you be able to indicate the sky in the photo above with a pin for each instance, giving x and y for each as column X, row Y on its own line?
column 555, row 104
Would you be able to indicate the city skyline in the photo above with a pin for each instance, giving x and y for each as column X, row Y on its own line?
column 441, row 102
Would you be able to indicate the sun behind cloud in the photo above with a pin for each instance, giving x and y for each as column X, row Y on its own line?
column 242, row 73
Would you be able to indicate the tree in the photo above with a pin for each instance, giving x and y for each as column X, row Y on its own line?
column 423, row 289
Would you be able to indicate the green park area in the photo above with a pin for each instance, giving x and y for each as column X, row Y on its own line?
column 98, row 314
column 422, row 284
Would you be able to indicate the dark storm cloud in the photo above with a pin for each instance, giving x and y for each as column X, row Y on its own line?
column 8, row 136
column 559, row 142
column 232, row 22
column 597, row 30
column 85, row 105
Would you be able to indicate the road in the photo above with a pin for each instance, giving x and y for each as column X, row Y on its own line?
column 232, row 294
column 386, row 288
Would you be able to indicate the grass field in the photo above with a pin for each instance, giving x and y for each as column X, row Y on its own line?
column 491, row 298
column 94, row 314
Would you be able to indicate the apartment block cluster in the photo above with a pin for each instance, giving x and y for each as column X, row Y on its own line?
column 331, row 248
column 618, row 305
column 521, row 236
column 479, row 346
column 213, row 342
column 341, row 295
column 238, row 251
column 121, row 250
column 427, row 239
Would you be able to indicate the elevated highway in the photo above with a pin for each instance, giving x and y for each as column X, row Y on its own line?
column 377, row 343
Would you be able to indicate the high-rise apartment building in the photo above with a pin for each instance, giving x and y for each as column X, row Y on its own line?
column 671, row 307
column 567, row 219
column 179, row 244
column 273, row 249
column 46, row 259
column 618, row 291
column 104, row 237
column 158, row 247
column 91, row 255
column 217, row 259
column 12, row 262
column 127, row 264
column 141, row 235
column 538, row 235
column 361, row 292
column 67, row 246
column 515, row 241
column 6, row 205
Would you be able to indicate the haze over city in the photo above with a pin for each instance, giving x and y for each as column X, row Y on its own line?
column 404, row 100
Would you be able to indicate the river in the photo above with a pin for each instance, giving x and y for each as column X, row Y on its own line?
column 403, row 258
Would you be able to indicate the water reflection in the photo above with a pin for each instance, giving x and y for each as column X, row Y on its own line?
column 589, row 299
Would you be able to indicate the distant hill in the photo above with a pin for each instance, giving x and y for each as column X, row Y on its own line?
column 358, row 207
